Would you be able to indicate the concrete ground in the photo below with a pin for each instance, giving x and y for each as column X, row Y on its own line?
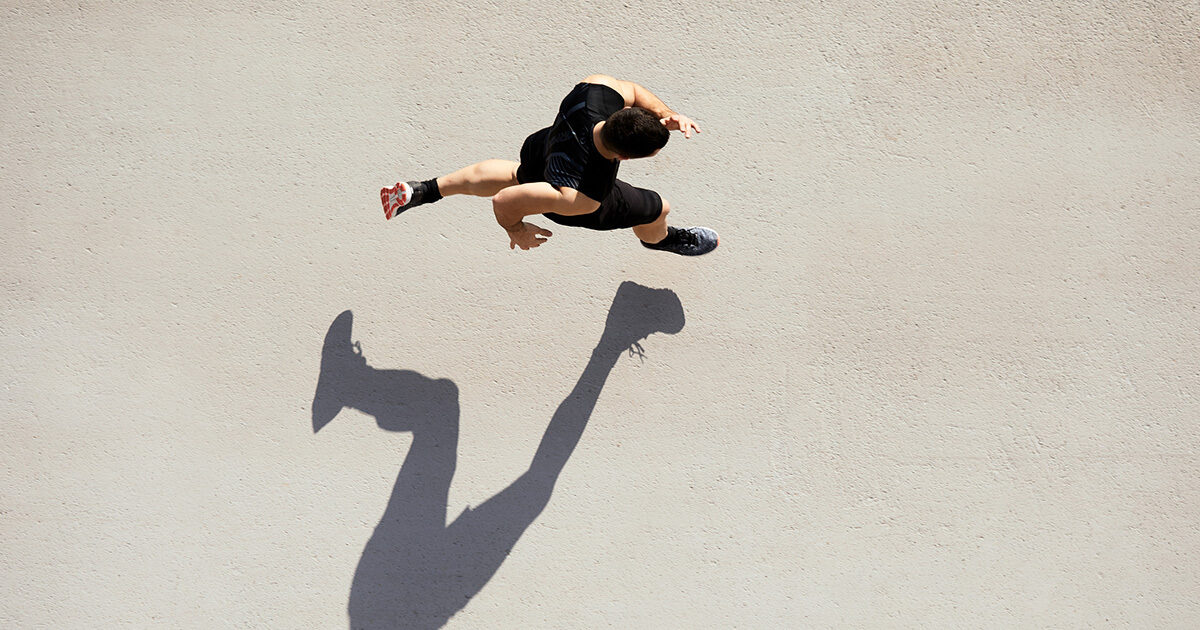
column 943, row 371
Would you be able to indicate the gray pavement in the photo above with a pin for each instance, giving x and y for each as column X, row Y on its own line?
column 943, row 371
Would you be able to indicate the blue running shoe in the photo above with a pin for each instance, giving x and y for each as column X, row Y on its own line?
column 693, row 241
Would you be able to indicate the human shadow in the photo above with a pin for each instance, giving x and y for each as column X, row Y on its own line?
column 416, row 570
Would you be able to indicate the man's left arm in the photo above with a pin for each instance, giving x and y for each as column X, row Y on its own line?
column 638, row 96
column 673, row 120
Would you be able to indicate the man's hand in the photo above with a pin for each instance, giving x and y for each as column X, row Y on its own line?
column 526, row 236
column 679, row 122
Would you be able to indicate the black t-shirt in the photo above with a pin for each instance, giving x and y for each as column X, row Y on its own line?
column 572, row 159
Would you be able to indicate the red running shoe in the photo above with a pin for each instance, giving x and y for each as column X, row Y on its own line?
column 394, row 199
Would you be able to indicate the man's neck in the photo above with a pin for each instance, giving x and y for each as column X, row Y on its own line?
column 608, row 153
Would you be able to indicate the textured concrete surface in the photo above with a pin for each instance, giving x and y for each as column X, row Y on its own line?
column 943, row 371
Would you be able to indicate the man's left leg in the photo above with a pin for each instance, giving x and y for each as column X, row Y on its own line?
column 482, row 179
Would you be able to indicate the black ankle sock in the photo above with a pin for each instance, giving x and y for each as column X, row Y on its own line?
column 432, row 193
column 671, row 235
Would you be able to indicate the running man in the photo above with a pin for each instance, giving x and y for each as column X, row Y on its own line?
column 568, row 172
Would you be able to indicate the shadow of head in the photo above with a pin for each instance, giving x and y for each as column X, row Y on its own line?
column 638, row 312
column 400, row 400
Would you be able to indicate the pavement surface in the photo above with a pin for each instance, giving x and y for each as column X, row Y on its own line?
column 943, row 370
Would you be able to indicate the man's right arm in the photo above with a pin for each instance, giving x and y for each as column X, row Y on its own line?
column 514, row 203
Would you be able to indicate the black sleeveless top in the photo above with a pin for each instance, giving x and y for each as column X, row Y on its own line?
column 572, row 159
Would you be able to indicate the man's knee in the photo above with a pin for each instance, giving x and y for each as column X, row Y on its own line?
column 665, row 210
column 503, row 197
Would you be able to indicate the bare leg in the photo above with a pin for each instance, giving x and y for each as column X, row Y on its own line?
column 654, row 232
column 483, row 179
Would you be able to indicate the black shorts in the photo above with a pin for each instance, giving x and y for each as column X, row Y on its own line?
column 624, row 207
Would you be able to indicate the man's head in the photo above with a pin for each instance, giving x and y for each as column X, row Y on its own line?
column 634, row 133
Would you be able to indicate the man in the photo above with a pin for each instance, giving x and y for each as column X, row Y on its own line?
column 568, row 172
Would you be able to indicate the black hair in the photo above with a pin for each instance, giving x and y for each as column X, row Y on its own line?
column 634, row 133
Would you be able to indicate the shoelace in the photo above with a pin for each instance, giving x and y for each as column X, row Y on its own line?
column 687, row 238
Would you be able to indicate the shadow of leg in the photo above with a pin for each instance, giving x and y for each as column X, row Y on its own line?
column 400, row 581
column 489, row 532
column 416, row 571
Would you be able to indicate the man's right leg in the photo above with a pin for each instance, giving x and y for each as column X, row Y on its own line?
column 692, row 241
column 482, row 179
column 646, row 212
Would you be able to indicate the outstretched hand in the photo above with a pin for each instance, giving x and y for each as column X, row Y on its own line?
column 679, row 122
column 526, row 236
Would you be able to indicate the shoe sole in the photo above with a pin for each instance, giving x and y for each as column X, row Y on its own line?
column 394, row 198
